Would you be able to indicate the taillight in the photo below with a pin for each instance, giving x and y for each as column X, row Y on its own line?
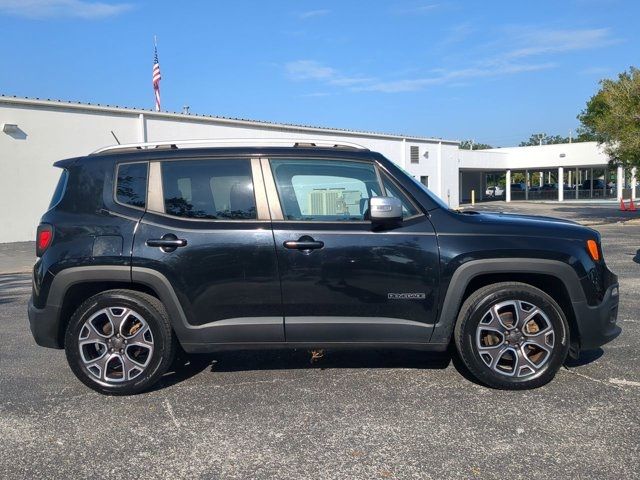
column 594, row 251
column 43, row 238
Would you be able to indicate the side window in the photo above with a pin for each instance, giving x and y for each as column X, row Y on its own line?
column 131, row 186
column 408, row 208
column 209, row 189
column 58, row 193
column 325, row 190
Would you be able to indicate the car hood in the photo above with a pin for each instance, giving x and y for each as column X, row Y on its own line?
column 516, row 217
column 526, row 225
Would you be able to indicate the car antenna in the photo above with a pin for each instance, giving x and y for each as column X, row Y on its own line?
column 114, row 136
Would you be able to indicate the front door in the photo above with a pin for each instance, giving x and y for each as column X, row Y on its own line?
column 343, row 281
column 209, row 236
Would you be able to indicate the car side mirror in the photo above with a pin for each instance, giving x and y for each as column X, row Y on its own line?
column 385, row 211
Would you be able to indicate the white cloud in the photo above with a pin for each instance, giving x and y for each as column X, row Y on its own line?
column 452, row 77
column 308, row 70
column 458, row 33
column 313, row 14
column 312, row 70
column 62, row 8
column 542, row 42
column 418, row 9
column 595, row 71
column 316, row 94
column 521, row 50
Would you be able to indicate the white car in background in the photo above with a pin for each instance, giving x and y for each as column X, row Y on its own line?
column 494, row 191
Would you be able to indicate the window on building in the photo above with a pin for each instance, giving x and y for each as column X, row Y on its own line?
column 209, row 189
column 131, row 185
column 415, row 154
column 424, row 179
column 325, row 190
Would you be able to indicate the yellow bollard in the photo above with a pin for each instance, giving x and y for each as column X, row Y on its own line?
column 473, row 197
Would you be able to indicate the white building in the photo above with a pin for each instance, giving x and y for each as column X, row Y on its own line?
column 35, row 133
column 568, row 171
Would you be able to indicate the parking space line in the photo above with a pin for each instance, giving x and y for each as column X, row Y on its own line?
column 619, row 381
column 169, row 410
column 597, row 380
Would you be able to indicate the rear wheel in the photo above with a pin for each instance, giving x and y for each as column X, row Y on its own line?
column 512, row 335
column 120, row 342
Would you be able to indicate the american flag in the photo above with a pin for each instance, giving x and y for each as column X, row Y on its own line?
column 156, row 78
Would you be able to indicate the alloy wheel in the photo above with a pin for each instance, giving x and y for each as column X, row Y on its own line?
column 515, row 338
column 116, row 345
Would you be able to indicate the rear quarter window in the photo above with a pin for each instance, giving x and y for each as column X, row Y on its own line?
column 131, row 184
column 58, row 193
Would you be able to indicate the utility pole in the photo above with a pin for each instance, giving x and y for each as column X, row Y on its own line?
column 471, row 144
column 570, row 135
column 541, row 136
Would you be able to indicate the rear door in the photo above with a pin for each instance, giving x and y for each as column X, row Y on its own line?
column 207, row 231
column 343, row 281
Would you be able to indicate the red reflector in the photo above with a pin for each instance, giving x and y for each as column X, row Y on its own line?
column 44, row 238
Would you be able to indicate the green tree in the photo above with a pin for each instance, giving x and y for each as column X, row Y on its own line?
column 466, row 145
column 612, row 117
column 582, row 136
column 517, row 177
column 546, row 140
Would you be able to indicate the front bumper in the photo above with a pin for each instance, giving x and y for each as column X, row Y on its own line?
column 597, row 324
column 45, row 325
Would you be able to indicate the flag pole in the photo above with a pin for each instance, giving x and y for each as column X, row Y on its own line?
column 156, row 74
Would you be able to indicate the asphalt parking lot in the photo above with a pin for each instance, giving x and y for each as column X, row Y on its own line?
column 374, row 414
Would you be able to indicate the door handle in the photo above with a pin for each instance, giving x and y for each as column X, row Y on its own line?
column 303, row 243
column 168, row 243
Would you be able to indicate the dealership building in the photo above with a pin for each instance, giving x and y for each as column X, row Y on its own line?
column 35, row 133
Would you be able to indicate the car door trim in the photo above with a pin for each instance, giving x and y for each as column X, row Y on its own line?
column 356, row 329
column 271, row 190
column 263, row 224
column 155, row 195
column 352, row 232
column 262, row 204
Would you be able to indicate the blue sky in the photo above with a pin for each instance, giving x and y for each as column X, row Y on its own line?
column 494, row 71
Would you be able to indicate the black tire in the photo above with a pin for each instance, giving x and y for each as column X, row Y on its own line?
column 483, row 366
column 163, row 341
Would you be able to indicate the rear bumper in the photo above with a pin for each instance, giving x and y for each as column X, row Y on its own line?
column 597, row 324
column 45, row 325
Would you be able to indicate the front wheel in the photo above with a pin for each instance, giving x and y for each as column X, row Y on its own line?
column 120, row 342
column 512, row 335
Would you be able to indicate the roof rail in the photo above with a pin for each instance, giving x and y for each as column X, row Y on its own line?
column 231, row 142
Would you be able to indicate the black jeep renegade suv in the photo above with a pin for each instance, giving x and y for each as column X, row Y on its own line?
column 144, row 250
